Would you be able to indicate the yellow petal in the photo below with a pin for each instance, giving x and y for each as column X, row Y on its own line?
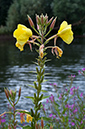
column 29, row 118
column 22, row 29
column 65, row 32
column 19, row 46
column 62, row 26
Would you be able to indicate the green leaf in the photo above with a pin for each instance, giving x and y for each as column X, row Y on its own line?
column 44, row 91
column 31, row 86
column 45, row 80
column 44, row 97
column 27, row 127
column 32, row 98
column 47, row 119
column 21, row 111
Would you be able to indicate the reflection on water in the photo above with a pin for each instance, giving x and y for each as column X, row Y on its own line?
column 15, row 67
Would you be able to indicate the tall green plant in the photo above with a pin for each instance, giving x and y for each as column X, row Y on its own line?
column 22, row 34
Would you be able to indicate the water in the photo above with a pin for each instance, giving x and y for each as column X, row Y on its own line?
column 15, row 67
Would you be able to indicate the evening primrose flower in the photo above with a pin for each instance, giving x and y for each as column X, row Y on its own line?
column 28, row 118
column 22, row 34
column 65, row 32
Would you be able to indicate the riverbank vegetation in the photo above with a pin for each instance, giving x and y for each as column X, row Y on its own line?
column 13, row 12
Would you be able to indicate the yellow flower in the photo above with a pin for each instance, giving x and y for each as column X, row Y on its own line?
column 22, row 34
column 65, row 32
column 28, row 118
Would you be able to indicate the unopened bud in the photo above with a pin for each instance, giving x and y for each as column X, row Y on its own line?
column 6, row 93
column 42, row 123
column 53, row 24
column 42, row 19
column 36, row 126
column 19, row 92
column 50, row 20
column 46, row 18
column 30, row 21
column 37, row 19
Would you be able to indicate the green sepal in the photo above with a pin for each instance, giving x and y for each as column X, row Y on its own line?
column 32, row 113
column 35, row 95
column 42, row 79
column 42, row 72
column 37, row 71
column 41, row 97
column 35, row 85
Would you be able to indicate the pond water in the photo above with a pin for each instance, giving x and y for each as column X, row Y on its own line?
column 15, row 67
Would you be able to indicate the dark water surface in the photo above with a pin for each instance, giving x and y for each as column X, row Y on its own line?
column 15, row 67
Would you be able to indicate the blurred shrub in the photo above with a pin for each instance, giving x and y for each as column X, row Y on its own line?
column 18, row 11
column 71, row 11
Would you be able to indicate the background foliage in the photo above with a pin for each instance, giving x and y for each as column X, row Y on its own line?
column 13, row 12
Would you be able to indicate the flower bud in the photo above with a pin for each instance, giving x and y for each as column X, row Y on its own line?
column 41, row 51
column 42, row 20
column 19, row 92
column 37, row 19
column 6, row 93
column 30, row 21
column 46, row 18
column 50, row 20
column 36, row 126
column 53, row 24
column 42, row 123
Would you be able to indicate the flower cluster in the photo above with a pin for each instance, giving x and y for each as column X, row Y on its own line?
column 22, row 34
column 67, row 109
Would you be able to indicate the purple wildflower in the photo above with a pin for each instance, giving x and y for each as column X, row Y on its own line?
column 51, row 98
column 67, row 106
column 54, row 117
column 81, row 94
column 72, row 106
column 72, row 123
column 3, row 120
column 83, row 69
column 54, row 84
column 69, row 120
column 51, row 115
column 75, row 110
column 47, row 101
column 81, row 122
column 60, row 97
